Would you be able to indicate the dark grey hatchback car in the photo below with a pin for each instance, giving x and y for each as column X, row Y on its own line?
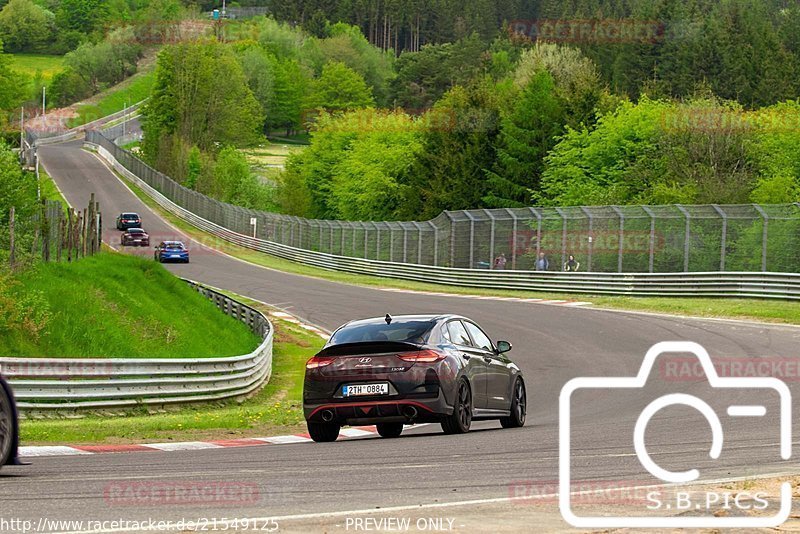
column 391, row 371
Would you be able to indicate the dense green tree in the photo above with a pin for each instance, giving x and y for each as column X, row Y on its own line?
column 258, row 66
column 339, row 88
column 17, row 188
column 424, row 76
column 348, row 45
column 68, row 86
column 25, row 26
column 291, row 85
column 85, row 16
column 458, row 146
column 201, row 95
column 105, row 63
column 527, row 134
column 358, row 166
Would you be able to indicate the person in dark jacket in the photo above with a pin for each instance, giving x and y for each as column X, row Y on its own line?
column 572, row 265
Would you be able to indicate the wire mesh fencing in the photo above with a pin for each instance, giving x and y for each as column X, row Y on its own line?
column 615, row 239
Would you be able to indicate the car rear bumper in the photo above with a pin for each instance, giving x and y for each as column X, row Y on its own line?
column 408, row 409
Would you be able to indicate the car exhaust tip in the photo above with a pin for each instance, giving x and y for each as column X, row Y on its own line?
column 410, row 412
column 326, row 415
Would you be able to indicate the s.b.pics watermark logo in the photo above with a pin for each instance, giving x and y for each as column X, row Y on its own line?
column 727, row 403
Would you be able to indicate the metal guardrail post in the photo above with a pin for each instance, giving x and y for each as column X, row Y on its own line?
column 405, row 244
column 419, row 242
column 472, row 239
column 435, row 243
column 377, row 240
column 391, row 241
column 563, row 238
column 591, row 237
column 686, row 238
column 621, row 236
column 652, row 236
column 724, row 236
column 366, row 239
column 764, row 236
column 514, row 239
column 538, row 232
column 452, row 238
column 491, row 236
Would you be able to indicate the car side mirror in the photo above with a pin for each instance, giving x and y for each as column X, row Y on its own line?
column 503, row 346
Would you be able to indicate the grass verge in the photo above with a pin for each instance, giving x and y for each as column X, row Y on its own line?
column 30, row 64
column 129, row 92
column 117, row 306
column 747, row 309
column 49, row 189
column 275, row 409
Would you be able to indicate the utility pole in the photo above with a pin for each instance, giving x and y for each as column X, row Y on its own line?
column 44, row 99
column 124, row 117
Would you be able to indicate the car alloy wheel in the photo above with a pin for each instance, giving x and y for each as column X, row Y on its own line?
column 519, row 407
column 6, row 427
column 461, row 418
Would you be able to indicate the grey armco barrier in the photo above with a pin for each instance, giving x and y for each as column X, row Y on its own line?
column 693, row 284
column 48, row 384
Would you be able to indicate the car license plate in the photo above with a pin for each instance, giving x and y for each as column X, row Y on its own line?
column 365, row 389
column 174, row 255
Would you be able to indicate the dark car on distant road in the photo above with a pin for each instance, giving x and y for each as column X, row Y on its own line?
column 391, row 371
column 168, row 251
column 128, row 220
column 135, row 237
column 9, row 427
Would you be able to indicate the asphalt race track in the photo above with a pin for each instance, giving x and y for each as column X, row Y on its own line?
column 552, row 345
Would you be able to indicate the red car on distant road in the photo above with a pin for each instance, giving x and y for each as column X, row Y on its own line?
column 135, row 237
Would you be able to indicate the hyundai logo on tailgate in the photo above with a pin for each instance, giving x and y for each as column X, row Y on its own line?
column 365, row 360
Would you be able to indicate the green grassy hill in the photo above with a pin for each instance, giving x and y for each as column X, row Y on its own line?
column 29, row 64
column 115, row 306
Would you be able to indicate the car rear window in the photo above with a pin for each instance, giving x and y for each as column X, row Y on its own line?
column 174, row 246
column 135, row 231
column 130, row 216
column 403, row 331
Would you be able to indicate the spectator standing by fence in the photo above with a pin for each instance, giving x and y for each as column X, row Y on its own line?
column 571, row 265
column 542, row 263
column 500, row 262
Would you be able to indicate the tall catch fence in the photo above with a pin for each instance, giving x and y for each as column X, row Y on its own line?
column 612, row 239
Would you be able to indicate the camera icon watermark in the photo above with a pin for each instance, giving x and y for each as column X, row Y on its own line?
column 640, row 447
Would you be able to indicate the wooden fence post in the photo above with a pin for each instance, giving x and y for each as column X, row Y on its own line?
column 84, row 232
column 45, row 232
column 69, row 234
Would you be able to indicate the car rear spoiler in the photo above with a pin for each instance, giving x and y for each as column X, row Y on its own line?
column 368, row 347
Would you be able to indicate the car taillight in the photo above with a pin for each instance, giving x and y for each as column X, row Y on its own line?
column 319, row 361
column 422, row 356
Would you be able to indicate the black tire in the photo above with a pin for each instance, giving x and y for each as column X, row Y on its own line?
column 519, row 406
column 390, row 430
column 461, row 418
column 323, row 432
column 8, row 427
